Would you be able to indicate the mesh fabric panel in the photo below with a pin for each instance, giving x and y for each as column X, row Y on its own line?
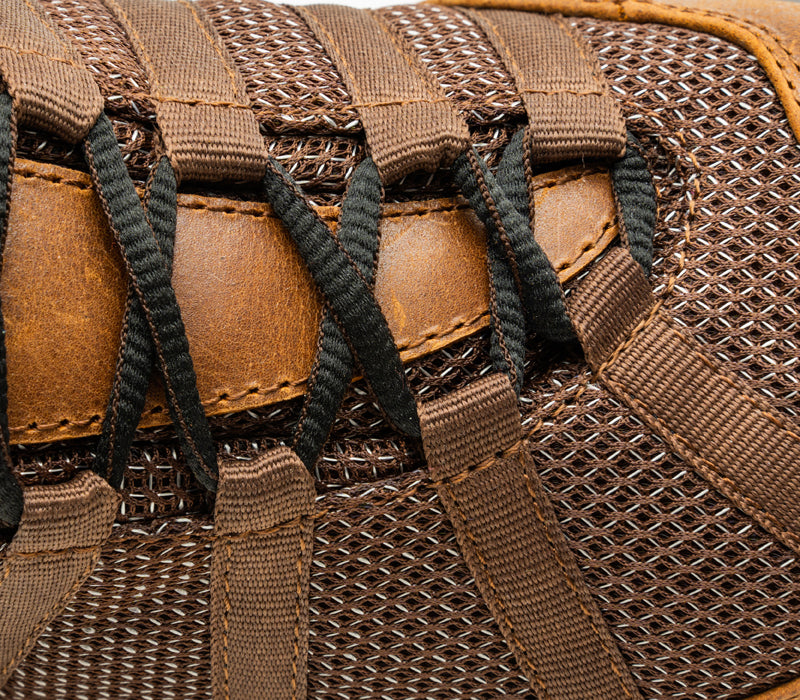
column 703, row 603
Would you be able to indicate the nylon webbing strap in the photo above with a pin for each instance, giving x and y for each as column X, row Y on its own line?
column 55, row 548
column 511, row 540
column 261, row 560
column 202, row 109
column 731, row 436
column 51, row 88
column 570, row 110
column 408, row 122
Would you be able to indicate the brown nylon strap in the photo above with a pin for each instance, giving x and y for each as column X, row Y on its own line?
column 202, row 109
column 408, row 122
column 50, row 87
column 261, row 560
column 512, row 543
column 731, row 436
column 570, row 110
column 56, row 547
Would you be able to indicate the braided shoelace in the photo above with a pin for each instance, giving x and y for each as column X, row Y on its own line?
column 524, row 290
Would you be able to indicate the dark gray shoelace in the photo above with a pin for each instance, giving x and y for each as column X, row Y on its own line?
column 523, row 285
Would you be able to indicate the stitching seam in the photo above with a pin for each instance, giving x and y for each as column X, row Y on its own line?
column 84, row 422
column 494, row 593
column 214, row 45
column 500, row 46
column 225, row 622
column 577, row 93
column 570, row 583
column 546, row 185
column 52, row 611
column 317, row 28
column 298, row 612
column 65, row 47
column 400, row 103
column 773, row 418
column 32, row 52
column 589, row 247
column 708, row 469
column 136, row 40
column 738, row 21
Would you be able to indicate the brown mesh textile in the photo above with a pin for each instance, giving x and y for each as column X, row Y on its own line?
column 401, row 622
column 702, row 602
column 509, row 537
column 291, row 82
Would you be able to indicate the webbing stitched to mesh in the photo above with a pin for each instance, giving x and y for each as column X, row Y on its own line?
column 773, row 379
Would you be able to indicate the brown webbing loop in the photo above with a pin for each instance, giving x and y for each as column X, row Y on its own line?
column 513, row 545
column 203, row 113
column 261, row 559
column 51, row 89
column 729, row 434
column 408, row 121
column 54, row 550
column 571, row 112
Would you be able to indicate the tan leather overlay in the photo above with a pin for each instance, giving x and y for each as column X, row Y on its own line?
column 790, row 691
column 769, row 29
column 250, row 307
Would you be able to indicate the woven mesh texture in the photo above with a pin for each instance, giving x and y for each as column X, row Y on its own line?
column 298, row 97
column 702, row 602
column 291, row 82
column 426, row 633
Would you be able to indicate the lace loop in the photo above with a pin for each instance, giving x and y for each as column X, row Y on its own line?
column 137, row 354
column 538, row 283
column 359, row 236
column 149, row 277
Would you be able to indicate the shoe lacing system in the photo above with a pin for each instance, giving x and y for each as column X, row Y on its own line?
column 524, row 292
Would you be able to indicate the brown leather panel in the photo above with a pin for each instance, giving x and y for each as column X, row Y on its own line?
column 790, row 691
column 770, row 30
column 250, row 308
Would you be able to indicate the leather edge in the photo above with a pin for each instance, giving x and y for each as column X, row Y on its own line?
column 781, row 66
column 467, row 321
column 790, row 691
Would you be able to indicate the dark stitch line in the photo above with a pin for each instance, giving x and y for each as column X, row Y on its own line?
column 552, row 183
column 592, row 245
column 439, row 333
column 29, row 174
